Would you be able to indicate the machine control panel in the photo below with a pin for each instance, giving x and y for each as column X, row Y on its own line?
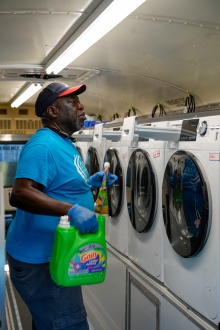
column 202, row 128
column 189, row 130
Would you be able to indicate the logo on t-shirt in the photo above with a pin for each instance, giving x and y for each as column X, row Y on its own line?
column 81, row 169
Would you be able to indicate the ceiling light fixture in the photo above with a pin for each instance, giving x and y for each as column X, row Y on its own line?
column 105, row 22
column 31, row 90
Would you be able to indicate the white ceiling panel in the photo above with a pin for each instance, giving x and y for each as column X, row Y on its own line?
column 157, row 54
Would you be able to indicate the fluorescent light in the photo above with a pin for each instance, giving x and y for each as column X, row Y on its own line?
column 105, row 22
column 31, row 90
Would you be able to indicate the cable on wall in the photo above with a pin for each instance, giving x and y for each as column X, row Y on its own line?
column 99, row 117
column 131, row 108
column 115, row 115
column 159, row 106
column 190, row 103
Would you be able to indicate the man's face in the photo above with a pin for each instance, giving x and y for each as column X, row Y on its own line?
column 70, row 116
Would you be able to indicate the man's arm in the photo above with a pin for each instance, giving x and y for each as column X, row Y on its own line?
column 27, row 195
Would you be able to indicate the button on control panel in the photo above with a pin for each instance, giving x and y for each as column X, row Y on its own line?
column 202, row 128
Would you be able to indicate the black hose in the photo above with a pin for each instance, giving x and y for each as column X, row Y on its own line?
column 131, row 109
column 99, row 117
column 190, row 103
column 115, row 115
column 161, row 108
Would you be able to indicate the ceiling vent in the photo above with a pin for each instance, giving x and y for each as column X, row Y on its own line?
column 3, row 111
column 23, row 111
column 41, row 76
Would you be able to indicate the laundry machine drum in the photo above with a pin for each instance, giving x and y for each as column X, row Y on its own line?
column 115, row 192
column 92, row 165
column 185, row 204
column 141, row 191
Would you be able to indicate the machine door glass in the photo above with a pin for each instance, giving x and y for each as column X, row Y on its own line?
column 141, row 191
column 185, row 204
column 92, row 165
column 115, row 192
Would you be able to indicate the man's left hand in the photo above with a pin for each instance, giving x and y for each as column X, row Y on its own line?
column 96, row 179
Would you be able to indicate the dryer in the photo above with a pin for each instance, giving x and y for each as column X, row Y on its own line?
column 95, row 154
column 144, row 193
column 190, row 196
column 116, row 224
column 91, row 146
column 117, row 221
column 89, row 153
column 121, row 229
column 93, row 165
column 99, row 143
column 83, row 142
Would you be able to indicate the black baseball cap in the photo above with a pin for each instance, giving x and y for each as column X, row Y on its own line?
column 52, row 92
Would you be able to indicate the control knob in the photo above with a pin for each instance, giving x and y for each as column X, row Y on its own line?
column 202, row 128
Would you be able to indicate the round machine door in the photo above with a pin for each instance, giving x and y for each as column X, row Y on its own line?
column 92, row 165
column 141, row 191
column 185, row 204
column 115, row 192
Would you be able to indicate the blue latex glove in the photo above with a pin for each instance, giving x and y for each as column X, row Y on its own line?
column 96, row 179
column 83, row 219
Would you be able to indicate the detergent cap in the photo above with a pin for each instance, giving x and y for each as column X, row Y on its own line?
column 64, row 221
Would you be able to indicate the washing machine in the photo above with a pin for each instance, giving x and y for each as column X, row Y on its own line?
column 94, row 159
column 128, row 234
column 190, row 199
column 99, row 143
column 93, row 163
column 84, row 139
column 116, row 224
column 144, row 194
column 91, row 148
column 117, row 221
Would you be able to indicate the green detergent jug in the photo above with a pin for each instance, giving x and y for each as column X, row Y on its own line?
column 78, row 259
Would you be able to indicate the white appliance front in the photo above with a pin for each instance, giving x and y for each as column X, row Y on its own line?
column 83, row 148
column 143, row 194
column 117, row 221
column 84, row 144
column 92, row 149
column 190, row 195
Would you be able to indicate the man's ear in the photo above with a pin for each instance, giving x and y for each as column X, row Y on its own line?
column 52, row 111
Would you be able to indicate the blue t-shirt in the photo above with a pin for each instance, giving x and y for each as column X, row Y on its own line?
column 54, row 162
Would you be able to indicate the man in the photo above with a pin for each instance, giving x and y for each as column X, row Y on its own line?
column 51, row 181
